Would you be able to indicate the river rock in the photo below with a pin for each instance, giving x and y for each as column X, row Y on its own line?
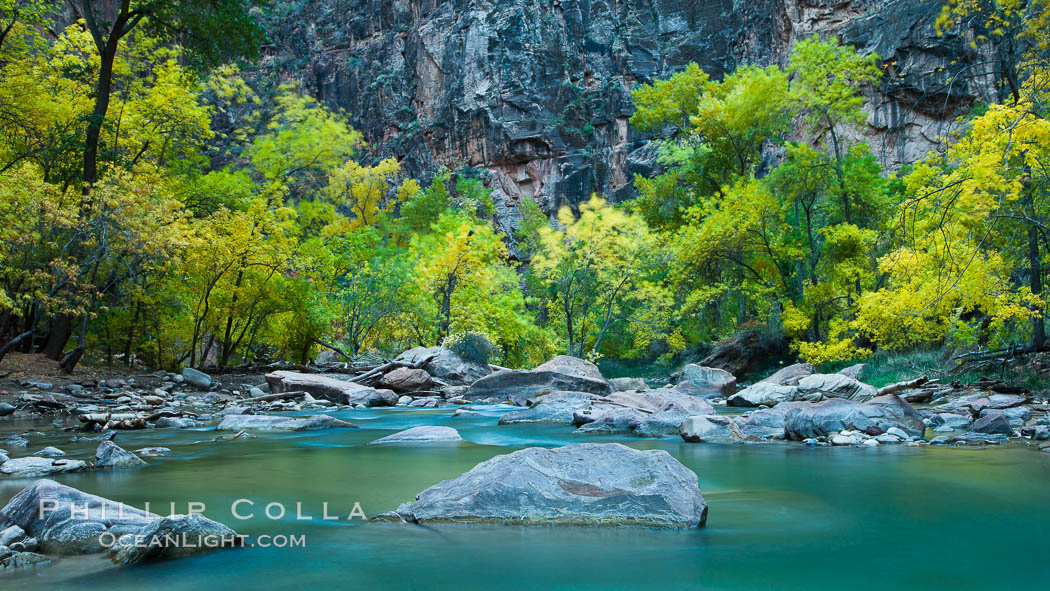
column 17, row 441
column 705, row 382
column 790, row 375
column 996, row 401
column 556, row 407
column 667, row 419
column 587, row 484
column 11, row 534
column 50, row 452
column 23, row 560
column 404, row 379
column 428, row 433
column 628, row 384
column 174, row 423
column 197, row 378
column 621, row 420
column 153, row 451
column 1017, row 415
column 35, row 466
column 854, row 371
column 763, row 394
column 991, row 422
column 765, row 423
column 563, row 373
column 838, row 414
column 629, row 410
column 279, row 423
column 709, row 429
column 6, row 409
column 335, row 387
column 819, row 386
column 111, row 455
column 446, row 365
column 955, row 421
column 149, row 543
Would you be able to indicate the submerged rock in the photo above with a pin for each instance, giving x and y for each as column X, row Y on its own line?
column 36, row 466
column 428, row 433
column 111, row 455
column 153, row 451
column 23, row 560
column 149, row 544
column 587, row 484
column 279, row 423
column 563, row 373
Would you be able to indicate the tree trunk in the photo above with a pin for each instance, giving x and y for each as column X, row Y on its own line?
column 1035, row 283
column 61, row 330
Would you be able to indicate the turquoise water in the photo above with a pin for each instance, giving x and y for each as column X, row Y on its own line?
column 782, row 516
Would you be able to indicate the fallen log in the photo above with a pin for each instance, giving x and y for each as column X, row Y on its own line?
column 892, row 388
column 278, row 396
column 382, row 369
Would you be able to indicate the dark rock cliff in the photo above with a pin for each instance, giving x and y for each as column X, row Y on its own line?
column 537, row 93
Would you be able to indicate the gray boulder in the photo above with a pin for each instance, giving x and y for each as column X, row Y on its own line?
column 279, row 423
column 422, row 434
column 763, row 394
column 996, row 402
column 705, row 382
column 709, row 429
column 175, row 423
column 838, row 414
column 790, row 375
column 621, row 420
column 628, row 384
column 765, row 423
column 667, row 419
column 50, row 452
column 11, row 534
column 23, row 560
column 6, row 409
column 153, row 451
column 446, row 365
column 955, row 421
column 819, row 386
column 404, row 379
column 854, row 371
column 197, row 378
column 588, row 484
column 1017, row 415
column 556, row 407
column 35, row 466
column 111, row 455
column 334, row 387
column 152, row 543
column 991, row 422
column 521, row 386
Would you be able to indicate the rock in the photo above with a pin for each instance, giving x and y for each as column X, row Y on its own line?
column 556, row 407
column 23, row 560
column 842, row 440
column 174, row 423
column 562, row 373
column 6, row 409
column 628, row 384
column 161, row 539
column 17, row 441
column 197, row 378
column 3, row 457
column 887, row 438
column 588, row 484
column 996, row 401
column 35, row 466
column 790, row 375
column 765, row 423
column 153, row 451
column 404, row 401
column 421, row 434
column 705, row 382
column 871, row 443
column 446, row 365
column 255, row 392
column 952, row 420
column 990, row 422
column 622, row 420
column 335, row 387
column 428, row 402
column 854, row 371
column 111, row 455
column 404, row 379
column 11, row 534
column 898, row 433
column 279, row 423
column 50, row 452
column 709, row 429
column 818, row 386
column 1016, row 415
column 667, row 419
column 38, row 384
column 838, row 414
column 763, row 394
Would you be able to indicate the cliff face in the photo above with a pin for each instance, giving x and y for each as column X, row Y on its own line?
column 538, row 92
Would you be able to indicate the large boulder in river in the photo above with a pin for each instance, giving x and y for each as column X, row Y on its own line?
column 833, row 385
column 838, row 414
column 522, row 386
column 790, row 375
column 617, row 421
column 161, row 539
column 405, row 379
column 556, row 407
column 279, row 423
column 709, row 429
column 34, row 466
column 763, row 394
column 766, row 423
column 426, row 433
column 446, row 365
column 667, row 419
column 654, row 412
column 587, row 484
column 628, row 384
column 705, row 382
column 335, row 387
